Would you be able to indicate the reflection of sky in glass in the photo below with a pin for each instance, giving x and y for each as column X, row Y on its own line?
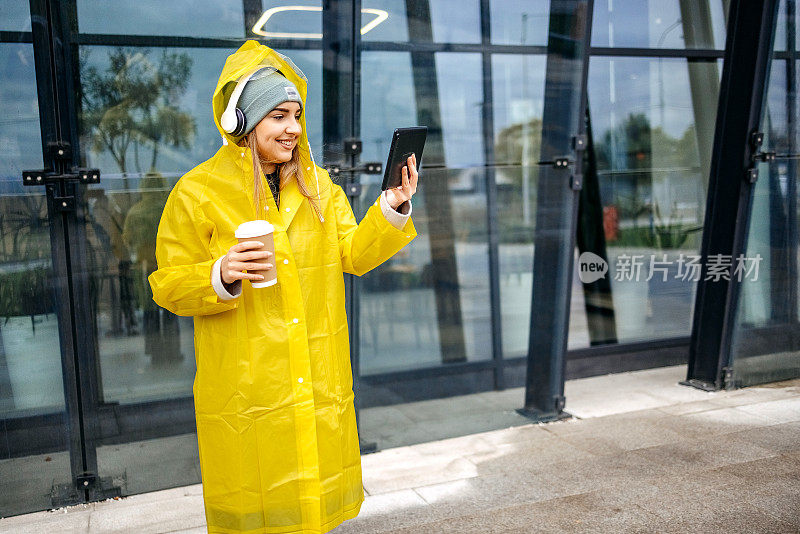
column 780, row 27
column 657, row 88
column 507, row 18
column 15, row 15
column 651, row 24
column 516, row 100
column 775, row 111
column 293, row 21
column 459, row 78
column 453, row 21
column 20, row 137
column 387, row 100
column 395, row 28
column 206, row 67
column 193, row 18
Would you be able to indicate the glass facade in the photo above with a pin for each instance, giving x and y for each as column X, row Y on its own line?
column 452, row 313
column 766, row 341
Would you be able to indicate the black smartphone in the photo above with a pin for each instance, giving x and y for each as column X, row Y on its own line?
column 405, row 141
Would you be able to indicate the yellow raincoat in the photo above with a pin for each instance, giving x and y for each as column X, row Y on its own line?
column 273, row 391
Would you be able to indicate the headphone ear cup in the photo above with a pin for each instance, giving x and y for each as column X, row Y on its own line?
column 241, row 123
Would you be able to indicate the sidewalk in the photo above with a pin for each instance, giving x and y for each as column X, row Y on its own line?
column 643, row 455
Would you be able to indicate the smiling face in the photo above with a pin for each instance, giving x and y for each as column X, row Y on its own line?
column 278, row 134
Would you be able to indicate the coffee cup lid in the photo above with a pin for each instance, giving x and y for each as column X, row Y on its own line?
column 253, row 229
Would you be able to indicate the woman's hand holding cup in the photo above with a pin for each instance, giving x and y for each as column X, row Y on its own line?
column 240, row 258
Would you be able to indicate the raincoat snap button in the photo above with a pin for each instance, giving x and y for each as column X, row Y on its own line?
column 288, row 209
column 295, row 321
column 308, row 168
column 300, row 379
column 286, row 262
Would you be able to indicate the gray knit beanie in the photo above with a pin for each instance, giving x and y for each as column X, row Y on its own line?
column 263, row 93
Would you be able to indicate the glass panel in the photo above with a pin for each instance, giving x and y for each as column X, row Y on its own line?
column 766, row 345
column 141, row 355
column 518, row 94
column 659, row 24
column 450, row 21
column 33, row 432
column 438, row 323
column 520, row 23
column 15, row 15
column 209, row 18
column 652, row 126
column 146, row 354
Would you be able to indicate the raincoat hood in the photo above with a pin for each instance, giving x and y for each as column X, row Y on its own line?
column 251, row 56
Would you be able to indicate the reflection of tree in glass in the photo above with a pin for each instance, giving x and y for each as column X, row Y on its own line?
column 627, row 152
column 510, row 175
column 629, row 146
column 25, row 257
column 135, row 101
column 132, row 102
column 161, row 339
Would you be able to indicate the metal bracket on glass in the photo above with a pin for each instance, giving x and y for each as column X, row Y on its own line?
column 98, row 488
column 352, row 148
column 563, row 162
column 756, row 140
column 61, row 154
column 353, row 190
column 728, row 379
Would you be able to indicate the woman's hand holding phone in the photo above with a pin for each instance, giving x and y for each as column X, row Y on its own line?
column 397, row 195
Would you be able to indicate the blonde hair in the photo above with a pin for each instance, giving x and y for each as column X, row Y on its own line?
column 287, row 171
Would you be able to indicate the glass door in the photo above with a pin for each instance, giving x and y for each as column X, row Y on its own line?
column 45, row 458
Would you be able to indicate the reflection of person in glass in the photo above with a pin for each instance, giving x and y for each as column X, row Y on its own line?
column 107, row 220
column 161, row 336
column 276, row 426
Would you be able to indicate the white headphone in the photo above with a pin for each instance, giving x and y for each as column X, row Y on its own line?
column 233, row 121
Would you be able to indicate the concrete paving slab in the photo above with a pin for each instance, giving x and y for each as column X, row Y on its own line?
column 779, row 438
column 68, row 522
column 538, row 454
column 778, row 411
column 690, row 505
column 712, row 422
column 151, row 517
column 622, row 436
column 692, row 407
column 424, row 470
column 585, row 512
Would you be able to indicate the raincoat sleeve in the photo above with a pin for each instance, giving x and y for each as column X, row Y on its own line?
column 183, row 282
column 397, row 218
column 366, row 245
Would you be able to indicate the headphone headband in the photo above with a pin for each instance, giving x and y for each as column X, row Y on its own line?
column 229, row 120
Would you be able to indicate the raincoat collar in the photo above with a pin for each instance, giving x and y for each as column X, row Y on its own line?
column 291, row 197
column 250, row 56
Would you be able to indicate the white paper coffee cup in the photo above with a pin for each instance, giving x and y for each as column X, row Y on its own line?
column 260, row 231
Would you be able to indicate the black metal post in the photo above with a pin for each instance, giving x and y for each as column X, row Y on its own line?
column 597, row 296
column 741, row 99
column 52, row 132
column 444, row 270
column 341, row 22
column 557, row 206
column 487, row 118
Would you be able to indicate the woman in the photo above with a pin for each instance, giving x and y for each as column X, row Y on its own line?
column 273, row 394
